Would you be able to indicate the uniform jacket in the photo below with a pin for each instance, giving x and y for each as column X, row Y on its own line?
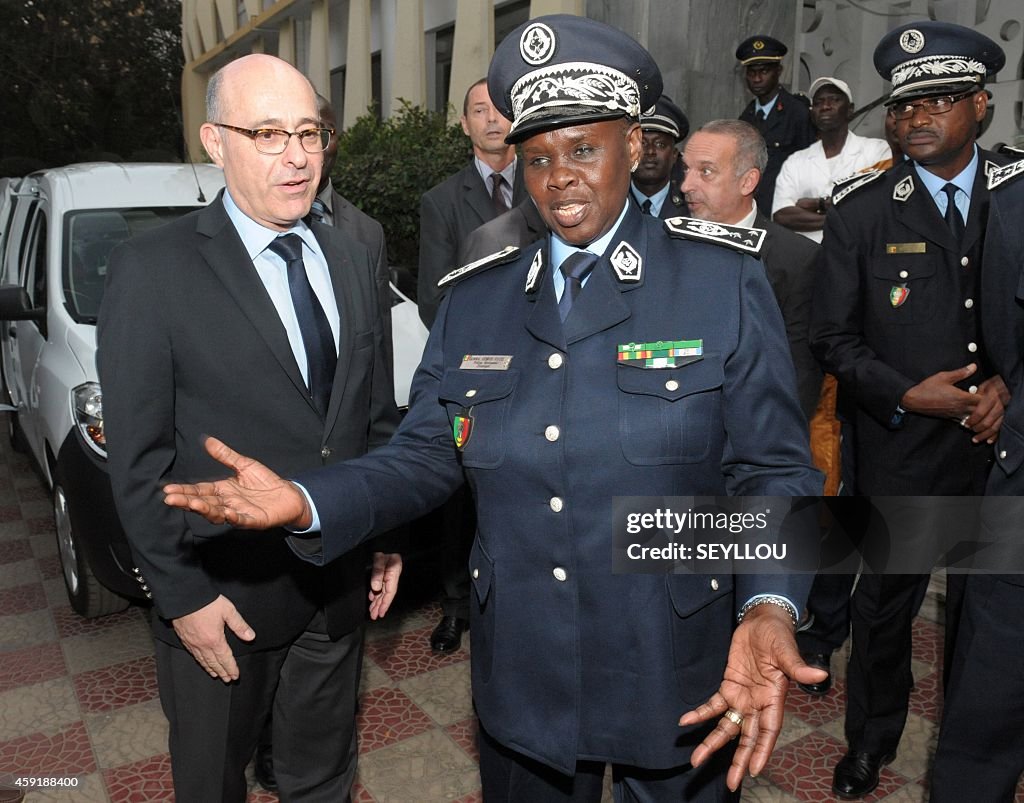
column 896, row 301
column 449, row 211
column 190, row 344
column 614, row 659
column 519, row 226
column 790, row 262
column 786, row 130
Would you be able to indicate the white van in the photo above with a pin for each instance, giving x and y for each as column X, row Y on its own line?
column 58, row 229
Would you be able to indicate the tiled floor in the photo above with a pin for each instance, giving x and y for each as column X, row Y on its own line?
column 78, row 697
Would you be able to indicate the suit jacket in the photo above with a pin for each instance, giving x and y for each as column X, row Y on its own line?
column 786, row 130
column 519, row 226
column 790, row 261
column 897, row 300
column 614, row 658
column 191, row 344
column 449, row 211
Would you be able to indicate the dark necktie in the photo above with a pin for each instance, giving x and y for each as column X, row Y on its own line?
column 321, row 354
column 759, row 119
column 497, row 197
column 575, row 269
column 319, row 211
column 645, row 207
column 953, row 219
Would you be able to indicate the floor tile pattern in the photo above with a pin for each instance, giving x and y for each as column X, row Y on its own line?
column 78, row 697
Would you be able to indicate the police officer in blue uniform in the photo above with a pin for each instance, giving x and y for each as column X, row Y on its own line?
column 655, row 187
column 522, row 386
column 782, row 118
column 897, row 318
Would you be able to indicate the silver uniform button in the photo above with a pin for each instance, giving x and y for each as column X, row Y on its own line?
column 1002, row 454
column 969, row 303
column 671, row 385
column 476, row 574
column 903, row 274
column 972, row 347
column 972, row 389
column 325, row 452
column 555, row 361
column 556, row 504
column 965, row 261
column 470, row 393
column 714, row 584
column 560, row 574
column 551, row 433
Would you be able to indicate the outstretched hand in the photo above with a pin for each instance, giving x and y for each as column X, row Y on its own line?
column 763, row 659
column 255, row 498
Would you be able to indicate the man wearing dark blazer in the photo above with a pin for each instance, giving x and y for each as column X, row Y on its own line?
column 653, row 188
column 723, row 163
column 897, row 318
column 980, row 754
column 206, row 327
column 519, row 226
column 452, row 209
column 783, row 119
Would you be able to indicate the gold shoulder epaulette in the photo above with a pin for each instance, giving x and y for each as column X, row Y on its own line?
column 506, row 254
column 852, row 183
column 738, row 238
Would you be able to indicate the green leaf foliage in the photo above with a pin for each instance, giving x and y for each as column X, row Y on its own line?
column 384, row 166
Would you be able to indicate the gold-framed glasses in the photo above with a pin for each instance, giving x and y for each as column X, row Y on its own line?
column 275, row 140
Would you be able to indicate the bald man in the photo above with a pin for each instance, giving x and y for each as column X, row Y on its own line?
column 243, row 626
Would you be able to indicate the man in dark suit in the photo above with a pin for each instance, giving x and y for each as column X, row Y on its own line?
column 242, row 318
column 896, row 319
column 653, row 189
column 723, row 163
column 535, row 393
column 980, row 754
column 783, row 119
column 519, row 226
column 489, row 185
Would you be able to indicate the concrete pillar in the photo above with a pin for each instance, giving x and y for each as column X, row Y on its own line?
column 286, row 40
column 406, row 57
column 319, row 72
column 358, row 83
column 540, row 7
column 472, row 49
column 227, row 13
column 193, row 111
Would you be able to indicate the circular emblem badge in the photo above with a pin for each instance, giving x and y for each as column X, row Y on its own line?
column 537, row 44
column 758, row 44
column 912, row 40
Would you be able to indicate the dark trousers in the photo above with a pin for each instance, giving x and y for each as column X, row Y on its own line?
column 511, row 777
column 980, row 754
column 312, row 685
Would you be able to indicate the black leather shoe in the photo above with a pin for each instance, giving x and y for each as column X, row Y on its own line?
column 818, row 660
column 447, row 636
column 856, row 774
column 263, row 768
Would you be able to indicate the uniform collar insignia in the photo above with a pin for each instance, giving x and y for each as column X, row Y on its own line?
column 536, row 270
column 904, row 189
column 506, row 254
column 739, row 238
column 847, row 185
column 627, row 263
column 1003, row 174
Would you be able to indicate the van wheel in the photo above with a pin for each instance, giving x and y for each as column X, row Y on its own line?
column 88, row 597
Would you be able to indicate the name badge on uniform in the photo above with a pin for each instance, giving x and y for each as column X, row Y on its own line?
column 898, row 294
column 486, row 362
column 661, row 353
column 462, row 428
column 906, row 248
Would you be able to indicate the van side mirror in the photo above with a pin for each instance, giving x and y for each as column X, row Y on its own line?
column 16, row 306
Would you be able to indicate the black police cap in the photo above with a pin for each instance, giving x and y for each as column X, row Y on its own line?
column 760, row 50
column 666, row 117
column 562, row 70
column 931, row 58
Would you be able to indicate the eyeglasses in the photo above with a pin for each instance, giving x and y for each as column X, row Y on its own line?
column 273, row 140
column 930, row 106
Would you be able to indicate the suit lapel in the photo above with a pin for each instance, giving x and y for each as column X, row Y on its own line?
column 919, row 212
column 340, row 269
column 475, row 190
column 229, row 261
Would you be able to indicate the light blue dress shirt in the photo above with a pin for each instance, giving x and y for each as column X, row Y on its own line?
column 964, row 182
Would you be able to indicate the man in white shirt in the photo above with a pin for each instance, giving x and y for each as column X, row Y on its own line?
column 805, row 181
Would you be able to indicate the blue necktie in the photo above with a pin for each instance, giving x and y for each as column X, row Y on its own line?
column 953, row 219
column 318, row 210
column 321, row 354
column 575, row 269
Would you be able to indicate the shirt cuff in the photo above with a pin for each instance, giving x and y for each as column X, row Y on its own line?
column 315, row 526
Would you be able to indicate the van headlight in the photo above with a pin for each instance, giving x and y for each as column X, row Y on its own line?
column 87, row 410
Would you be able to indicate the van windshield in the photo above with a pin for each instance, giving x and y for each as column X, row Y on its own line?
column 89, row 237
